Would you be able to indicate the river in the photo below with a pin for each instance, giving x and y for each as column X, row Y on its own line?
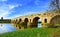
column 9, row 27
column 6, row 28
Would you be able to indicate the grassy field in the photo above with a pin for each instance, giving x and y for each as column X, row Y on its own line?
column 34, row 32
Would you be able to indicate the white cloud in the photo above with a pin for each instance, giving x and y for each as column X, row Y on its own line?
column 12, row 6
column 5, row 10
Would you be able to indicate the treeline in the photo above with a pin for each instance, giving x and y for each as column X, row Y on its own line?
column 5, row 21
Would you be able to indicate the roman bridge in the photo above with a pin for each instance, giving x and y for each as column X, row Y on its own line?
column 30, row 21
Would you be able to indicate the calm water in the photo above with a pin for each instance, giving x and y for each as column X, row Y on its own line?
column 6, row 28
column 9, row 27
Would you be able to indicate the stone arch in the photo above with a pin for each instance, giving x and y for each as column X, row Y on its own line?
column 35, row 21
column 26, row 22
column 15, row 21
column 45, row 20
column 55, row 21
column 20, row 20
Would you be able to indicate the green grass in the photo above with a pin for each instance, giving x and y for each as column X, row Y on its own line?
column 34, row 32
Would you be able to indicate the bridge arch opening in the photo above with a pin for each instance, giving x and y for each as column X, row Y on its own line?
column 55, row 21
column 20, row 20
column 45, row 20
column 37, row 22
column 26, row 22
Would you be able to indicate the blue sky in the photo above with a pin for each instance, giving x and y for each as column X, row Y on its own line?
column 15, row 8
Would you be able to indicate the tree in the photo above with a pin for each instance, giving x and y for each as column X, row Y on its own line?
column 55, row 5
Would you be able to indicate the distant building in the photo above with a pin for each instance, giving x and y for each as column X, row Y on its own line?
column 1, row 18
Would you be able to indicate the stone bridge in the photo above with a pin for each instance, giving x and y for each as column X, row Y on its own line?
column 32, row 20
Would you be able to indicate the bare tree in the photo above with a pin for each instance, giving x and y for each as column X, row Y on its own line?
column 55, row 5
